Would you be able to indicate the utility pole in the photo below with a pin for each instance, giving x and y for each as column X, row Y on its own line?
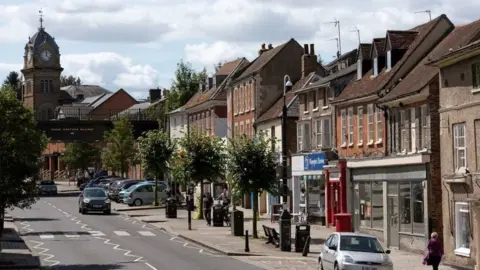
column 426, row 11
column 358, row 34
column 337, row 24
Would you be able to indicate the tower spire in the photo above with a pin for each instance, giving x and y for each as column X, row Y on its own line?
column 40, row 12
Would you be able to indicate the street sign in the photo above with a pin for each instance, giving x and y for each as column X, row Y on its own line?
column 314, row 161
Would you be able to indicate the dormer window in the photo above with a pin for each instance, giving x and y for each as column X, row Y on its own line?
column 375, row 66
column 359, row 69
column 389, row 60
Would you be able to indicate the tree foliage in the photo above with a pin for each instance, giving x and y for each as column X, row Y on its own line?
column 21, row 145
column 69, row 80
column 14, row 81
column 185, row 85
column 320, row 59
column 80, row 155
column 252, row 165
column 203, row 159
column 120, row 150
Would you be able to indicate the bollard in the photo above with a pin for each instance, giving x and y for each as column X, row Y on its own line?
column 247, row 248
column 306, row 247
column 189, row 208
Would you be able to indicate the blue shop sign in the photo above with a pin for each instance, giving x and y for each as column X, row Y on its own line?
column 314, row 162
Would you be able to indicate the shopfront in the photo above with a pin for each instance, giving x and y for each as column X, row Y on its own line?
column 389, row 203
column 308, row 185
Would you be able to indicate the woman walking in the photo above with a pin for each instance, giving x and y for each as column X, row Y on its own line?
column 434, row 252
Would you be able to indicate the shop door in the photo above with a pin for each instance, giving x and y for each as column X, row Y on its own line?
column 393, row 211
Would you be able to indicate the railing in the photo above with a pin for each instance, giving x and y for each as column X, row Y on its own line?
column 87, row 113
column 60, row 175
column 45, row 174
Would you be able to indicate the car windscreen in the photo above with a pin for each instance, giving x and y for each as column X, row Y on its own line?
column 47, row 183
column 360, row 244
column 94, row 193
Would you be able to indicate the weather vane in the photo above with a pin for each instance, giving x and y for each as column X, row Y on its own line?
column 40, row 12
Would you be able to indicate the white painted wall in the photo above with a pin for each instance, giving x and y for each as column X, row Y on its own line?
column 266, row 128
column 178, row 125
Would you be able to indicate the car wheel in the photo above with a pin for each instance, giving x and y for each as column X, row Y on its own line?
column 137, row 202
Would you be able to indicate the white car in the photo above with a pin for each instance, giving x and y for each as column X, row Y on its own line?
column 353, row 251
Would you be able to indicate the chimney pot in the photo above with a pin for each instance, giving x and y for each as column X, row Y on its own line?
column 312, row 49
column 263, row 46
column 270, row 46
column 305, row 48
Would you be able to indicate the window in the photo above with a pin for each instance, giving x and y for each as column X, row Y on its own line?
column 476, row 75
column 370, row 123
column 42, row 86
column 377, row 205
column 306, row 136
column 411, row 207
column 305, row 102
column 252, row 91
column 247, row 98
column 365, row 196
column 50, row 86
column 359, row 69
column 207, row 121
column 378, row 118
column 350, row 126
column 375, row 66
column 360, row 125
column 212, row 121
column 319, row 133
column 235, row 101
column 459, row 148
column 343, row 133
column 242, row 99
column 299, row 137
column 389, row 60
column 462, row 228
column 425, row 124
column 405, row 131
column 327, row 133
column 202, row 122
column 315, row 99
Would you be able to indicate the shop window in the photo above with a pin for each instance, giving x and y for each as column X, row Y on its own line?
column 365, row 196
column 412, row 208
column 462, row 229
column 377, row 205
column 418, row 208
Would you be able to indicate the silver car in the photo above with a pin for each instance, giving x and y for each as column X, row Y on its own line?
column 353, row 251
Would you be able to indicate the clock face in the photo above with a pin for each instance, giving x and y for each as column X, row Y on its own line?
column 46, row 55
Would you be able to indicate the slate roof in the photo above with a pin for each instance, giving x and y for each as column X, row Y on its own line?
column 401, row 40
column 262, row 60
column 85, row 90
column 368, row 86
column 365, row 49
column 422, row 74
column 351, row 56
column 41, row 37
column 378, row 44
column 275, row 110
column 76, row 112
column 90, row 100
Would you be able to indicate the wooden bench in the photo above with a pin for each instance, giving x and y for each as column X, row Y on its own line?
column 272, row 236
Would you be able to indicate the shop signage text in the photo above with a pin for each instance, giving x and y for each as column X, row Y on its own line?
column 314, row 162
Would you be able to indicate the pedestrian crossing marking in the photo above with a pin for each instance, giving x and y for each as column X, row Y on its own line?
column 72, row 235
column 46, row 236
column 146, row 233
column 96, row 233
column 121, row 233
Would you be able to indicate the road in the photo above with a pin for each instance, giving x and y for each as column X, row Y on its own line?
column 66, row 239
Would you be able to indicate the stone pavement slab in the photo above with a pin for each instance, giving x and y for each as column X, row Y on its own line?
column 14, row 252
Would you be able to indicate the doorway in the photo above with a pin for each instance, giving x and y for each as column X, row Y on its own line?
column 393, row 214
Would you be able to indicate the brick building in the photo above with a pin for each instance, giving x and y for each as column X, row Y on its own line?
column 458, row 61
column 384, row 163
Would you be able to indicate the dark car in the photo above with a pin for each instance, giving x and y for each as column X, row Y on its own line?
column 47, row 187
column 117, row 187
column 94, row 199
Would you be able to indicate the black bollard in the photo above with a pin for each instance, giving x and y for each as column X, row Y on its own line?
column 247, row 248
column 306, row 247
column 189, row 208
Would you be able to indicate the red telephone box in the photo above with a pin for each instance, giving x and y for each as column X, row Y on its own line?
column 336, row 191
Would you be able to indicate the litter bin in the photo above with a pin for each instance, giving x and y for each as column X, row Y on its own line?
column 343, row 222
column 170, row 209
column 302, row 232
column 237, row 223
column 217, row 219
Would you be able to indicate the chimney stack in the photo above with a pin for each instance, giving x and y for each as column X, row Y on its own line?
column 155, row 94
column 270, row 46
column 262, row 49
column 309, row 60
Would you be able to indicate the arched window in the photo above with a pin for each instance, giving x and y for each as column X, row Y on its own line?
column 42, row 86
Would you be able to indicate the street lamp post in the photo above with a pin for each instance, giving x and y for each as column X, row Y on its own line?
column 287, row 86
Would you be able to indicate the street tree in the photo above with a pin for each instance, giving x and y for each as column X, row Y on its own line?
column 21, row 146
column 14, row 80
column 252, row 165
column 204, row 159
column 185, row 85
column 69, row 80
column 80, row 155
column 120, row 151
column 155, row 149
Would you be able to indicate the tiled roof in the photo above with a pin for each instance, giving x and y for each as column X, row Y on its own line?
column 401, row 40
column 85, row 90
column 228, row 67
column 101, row 100
column 422, row 74
column 263, row 59
column 90, row 100
column 275, row 110
column 365, row 49
column 379, row 46
column 368, row 85
column 350, row 55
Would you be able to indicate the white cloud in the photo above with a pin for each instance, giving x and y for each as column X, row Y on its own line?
column 211, row 54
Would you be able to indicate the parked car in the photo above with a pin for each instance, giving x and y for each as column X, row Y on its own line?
column 143, row 194
column 346, row 251
column 94, row 199
column 47, row 187
column 118, row 187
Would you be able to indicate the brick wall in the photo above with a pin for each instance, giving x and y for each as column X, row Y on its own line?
column 118, row 102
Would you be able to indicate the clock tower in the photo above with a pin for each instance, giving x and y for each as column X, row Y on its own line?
column 41, row 72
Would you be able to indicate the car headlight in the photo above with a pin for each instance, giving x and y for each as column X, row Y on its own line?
column 86, row 200
column 387, row 261
column 348, row 259
column 107, row 201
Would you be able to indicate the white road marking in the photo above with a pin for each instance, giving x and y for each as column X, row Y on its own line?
column 149, row 265
column 54, row 206
column 48, row 257
column 72, row 235
column 96, row 233
column 146, row 233
column 117, row 247
column 121, row 233
column 46, row 236
column 25, row 226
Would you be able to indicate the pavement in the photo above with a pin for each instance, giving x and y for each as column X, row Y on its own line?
column 65, row 239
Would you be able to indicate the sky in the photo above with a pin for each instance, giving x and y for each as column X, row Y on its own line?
column 136, row 44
